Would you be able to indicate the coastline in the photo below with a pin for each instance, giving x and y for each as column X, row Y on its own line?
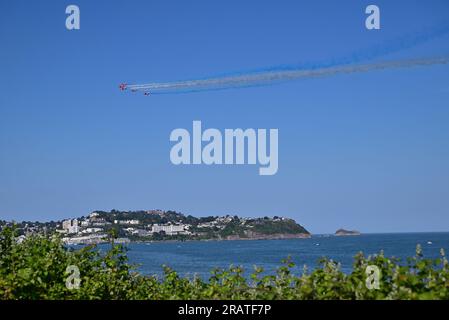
column 230, row 238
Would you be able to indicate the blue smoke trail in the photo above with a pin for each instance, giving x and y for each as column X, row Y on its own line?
column 379, row 50
column 266, row 78
column 280, row 73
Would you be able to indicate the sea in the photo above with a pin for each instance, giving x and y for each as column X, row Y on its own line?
column 198, row 258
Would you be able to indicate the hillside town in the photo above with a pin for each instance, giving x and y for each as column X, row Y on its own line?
column 155, row 225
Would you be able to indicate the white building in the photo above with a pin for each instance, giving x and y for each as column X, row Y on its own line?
column 130, row 222
column 70, row 226
column 84, row 223
column 92, row 230
column 156, row 212
column 97, row 238
column 66, row 224
column 207, row 224
column 169, row 229
column 94, row 215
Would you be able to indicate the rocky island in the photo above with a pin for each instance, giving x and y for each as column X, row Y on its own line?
column 157, row 225
column 343, row 232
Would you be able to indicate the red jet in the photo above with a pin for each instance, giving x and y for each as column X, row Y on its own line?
column 122, row 86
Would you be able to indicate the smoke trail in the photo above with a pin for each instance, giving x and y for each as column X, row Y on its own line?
column 391, row 46
column 275, row 76
column 268, row 75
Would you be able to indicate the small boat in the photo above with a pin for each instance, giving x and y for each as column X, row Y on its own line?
column 429, row 242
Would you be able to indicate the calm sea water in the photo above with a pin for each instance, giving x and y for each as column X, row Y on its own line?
column 200, row 257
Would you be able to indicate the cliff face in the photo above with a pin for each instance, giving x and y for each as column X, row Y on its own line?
column 343, row 232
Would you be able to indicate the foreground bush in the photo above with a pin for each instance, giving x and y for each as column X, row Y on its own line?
column 36, row 269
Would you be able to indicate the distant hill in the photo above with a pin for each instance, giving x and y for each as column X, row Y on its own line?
column 153, row 225
column 344, row 232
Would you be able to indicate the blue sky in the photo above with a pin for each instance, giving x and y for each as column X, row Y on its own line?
column 364, row 151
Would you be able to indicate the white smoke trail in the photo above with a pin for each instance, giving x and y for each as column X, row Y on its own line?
column 270, row 77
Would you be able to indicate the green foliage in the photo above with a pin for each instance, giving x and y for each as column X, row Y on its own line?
column 282, row 226
column 36, row 269
column 233, row 228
